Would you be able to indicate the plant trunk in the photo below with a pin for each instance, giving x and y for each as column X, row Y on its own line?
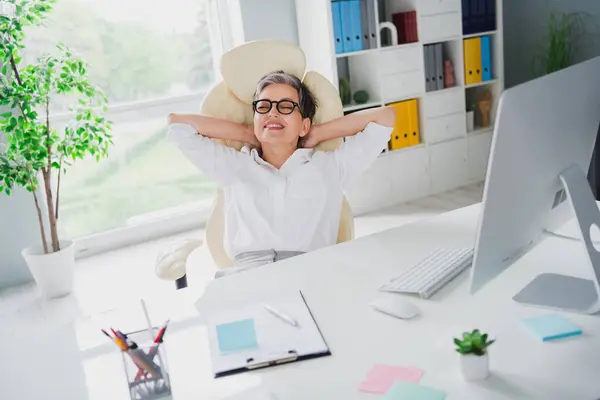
column 50, row 203
column 40, row 219
column 48, row 185
column 58, row 190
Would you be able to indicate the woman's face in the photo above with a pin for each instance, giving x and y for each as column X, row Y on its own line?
column 283, row 126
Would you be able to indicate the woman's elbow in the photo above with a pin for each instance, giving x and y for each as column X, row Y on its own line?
column 171, row 118
column 387, row 116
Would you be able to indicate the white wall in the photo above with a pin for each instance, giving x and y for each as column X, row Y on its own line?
column 18, row 229
column 268, row 19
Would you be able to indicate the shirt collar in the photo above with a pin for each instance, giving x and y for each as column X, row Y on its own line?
column 299, row 157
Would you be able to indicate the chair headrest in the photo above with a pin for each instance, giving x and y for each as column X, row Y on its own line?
column 243, row 66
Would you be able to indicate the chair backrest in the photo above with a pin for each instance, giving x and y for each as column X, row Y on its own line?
column 231, row 99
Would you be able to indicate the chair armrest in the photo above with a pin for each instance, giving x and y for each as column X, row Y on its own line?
column 171, row 261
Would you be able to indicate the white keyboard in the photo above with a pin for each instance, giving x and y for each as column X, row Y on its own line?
column 431, row 273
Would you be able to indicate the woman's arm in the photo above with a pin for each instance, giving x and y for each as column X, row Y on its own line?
column 367, row 134
column 220, row 163
column 215, row 128
column 350, row 125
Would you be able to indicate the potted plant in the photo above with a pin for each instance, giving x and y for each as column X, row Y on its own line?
column 559, row 47
column 33, row 153
column 474, row 359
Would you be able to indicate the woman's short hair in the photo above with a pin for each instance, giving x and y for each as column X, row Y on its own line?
column 308, row 103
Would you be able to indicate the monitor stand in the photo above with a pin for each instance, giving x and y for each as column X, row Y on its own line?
column 564, row 292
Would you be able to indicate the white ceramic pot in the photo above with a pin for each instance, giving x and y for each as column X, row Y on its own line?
column 474, row 368
column 53, row 272
column 470, row 121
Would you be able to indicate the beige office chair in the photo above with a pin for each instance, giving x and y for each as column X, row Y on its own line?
column 231, row 99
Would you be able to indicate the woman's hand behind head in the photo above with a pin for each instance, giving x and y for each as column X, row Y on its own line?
column 311, row 140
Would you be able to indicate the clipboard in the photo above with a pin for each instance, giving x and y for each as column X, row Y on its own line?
column 276, row 341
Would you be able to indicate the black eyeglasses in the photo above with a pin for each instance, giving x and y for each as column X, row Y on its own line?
column 285, row 107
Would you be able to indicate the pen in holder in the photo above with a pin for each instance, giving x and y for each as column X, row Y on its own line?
column 146, row 369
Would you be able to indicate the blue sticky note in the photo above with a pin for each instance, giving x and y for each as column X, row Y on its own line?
column 413, row 391
column 550, row 327
column 235, row 336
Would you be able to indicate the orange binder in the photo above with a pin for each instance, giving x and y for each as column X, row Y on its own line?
column 400, row 132
column 472, row 56
column 414, row 134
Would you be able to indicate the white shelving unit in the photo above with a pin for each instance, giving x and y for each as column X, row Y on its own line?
column 448, row 156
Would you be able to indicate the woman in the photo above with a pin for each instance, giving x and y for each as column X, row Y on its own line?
column 282, row 198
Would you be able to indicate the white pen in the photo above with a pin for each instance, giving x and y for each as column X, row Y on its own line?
column 280, row 315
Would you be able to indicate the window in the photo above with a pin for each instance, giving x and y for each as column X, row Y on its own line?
column 151, row 58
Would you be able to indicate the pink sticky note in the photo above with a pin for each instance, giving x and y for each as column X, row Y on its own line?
column 382, row 377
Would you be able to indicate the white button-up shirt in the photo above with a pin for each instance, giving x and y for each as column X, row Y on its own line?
column 294, row 208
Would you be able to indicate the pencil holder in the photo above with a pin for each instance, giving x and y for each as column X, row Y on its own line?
column 147, row 372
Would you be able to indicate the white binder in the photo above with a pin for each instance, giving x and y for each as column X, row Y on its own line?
column 277, row 342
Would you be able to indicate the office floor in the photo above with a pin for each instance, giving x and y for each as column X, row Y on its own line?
column 104, row 281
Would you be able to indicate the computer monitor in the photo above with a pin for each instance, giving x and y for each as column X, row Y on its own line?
column 542, row 144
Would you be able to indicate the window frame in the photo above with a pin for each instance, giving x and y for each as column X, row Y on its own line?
column 175, row 220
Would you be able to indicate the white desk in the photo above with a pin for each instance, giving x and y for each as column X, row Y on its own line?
column 338, row 283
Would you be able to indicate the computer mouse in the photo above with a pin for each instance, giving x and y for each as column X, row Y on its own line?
column 396, row 306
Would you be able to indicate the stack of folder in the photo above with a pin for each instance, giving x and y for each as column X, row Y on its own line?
column 478, row 59
column 354, row 25
column 434, row 67
column 478, row 16
column 406, row 129
column 406, row 24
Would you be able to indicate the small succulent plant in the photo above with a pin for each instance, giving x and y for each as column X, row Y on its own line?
column 473, row 343
column 345, row 91
column 361, row 97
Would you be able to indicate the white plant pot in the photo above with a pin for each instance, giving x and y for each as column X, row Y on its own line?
column 470, row 121
column 474, row 368
column 53, row 272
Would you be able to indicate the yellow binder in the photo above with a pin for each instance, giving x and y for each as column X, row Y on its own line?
column 398, row 139
column 414, row 134
column 472, row 55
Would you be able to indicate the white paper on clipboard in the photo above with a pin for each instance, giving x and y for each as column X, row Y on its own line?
column 278, row 341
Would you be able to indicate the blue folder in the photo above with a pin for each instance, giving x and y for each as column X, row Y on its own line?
column 336, row 14
column 346, row 19
column 356, row 25
column 486, row 59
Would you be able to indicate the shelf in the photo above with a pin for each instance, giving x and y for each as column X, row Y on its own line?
column 399, row 46
column 447, row 155
column 479, row 84
column 368, row 104
column 480, row 131
column 444, row 90
column 434, row 65
column 357, row 53
column 378, row 49
column 403, row 149
column 404, row 98
column 442, row 39
column 407, row 148
column 479, row 34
